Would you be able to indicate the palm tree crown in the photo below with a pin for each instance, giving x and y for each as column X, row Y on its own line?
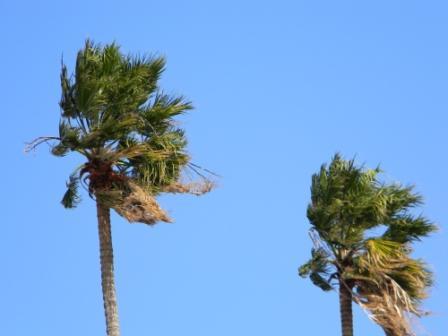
column 115, row 115
column 348, row 203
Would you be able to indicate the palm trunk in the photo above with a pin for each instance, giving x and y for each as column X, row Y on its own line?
column 107, row 270
column 345, row 302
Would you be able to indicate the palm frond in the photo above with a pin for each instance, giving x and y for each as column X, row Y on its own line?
column 318, row 269
column 71, row 197
column 390, row 284
column 407, row 228
column 194, row 188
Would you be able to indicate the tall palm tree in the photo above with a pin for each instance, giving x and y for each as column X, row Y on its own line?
column 115, row 115
column 348, row 204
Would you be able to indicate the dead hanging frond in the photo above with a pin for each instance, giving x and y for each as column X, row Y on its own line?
column 133, row 203
column 388, row 307
column 136, row 202
column 194, row 188
column 137, row 205
column 187, row 183
column 390, row 286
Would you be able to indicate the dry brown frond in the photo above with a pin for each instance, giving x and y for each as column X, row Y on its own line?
column 194, row 188
column 384, row 300
column 389, row 306
column 139, row 206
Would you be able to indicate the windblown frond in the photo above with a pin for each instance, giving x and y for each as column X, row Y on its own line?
column 318, row 268
column 391, row 285
column 71, row 197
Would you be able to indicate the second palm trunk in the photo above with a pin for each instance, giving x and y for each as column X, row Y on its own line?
column 345, row 305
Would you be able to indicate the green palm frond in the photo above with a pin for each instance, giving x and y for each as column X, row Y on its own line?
column 318, row 269
column 71, row 197
column 407, row 228
column 158, row 114
column 403, row 226
column 380, row 254
column 320, row 282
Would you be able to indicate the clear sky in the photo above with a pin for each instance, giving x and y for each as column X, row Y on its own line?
column 279, row 87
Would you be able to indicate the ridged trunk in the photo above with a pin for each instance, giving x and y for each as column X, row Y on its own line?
column 345, row 305
column 107, row 270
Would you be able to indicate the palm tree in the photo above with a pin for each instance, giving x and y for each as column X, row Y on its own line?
column 115, row 115
column 348, row 205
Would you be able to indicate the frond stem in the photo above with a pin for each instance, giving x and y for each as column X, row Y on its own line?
column 30, row 146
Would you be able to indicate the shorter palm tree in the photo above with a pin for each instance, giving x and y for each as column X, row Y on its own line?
column 348, row 203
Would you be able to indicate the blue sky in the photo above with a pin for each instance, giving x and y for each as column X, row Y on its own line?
column 279, row 87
